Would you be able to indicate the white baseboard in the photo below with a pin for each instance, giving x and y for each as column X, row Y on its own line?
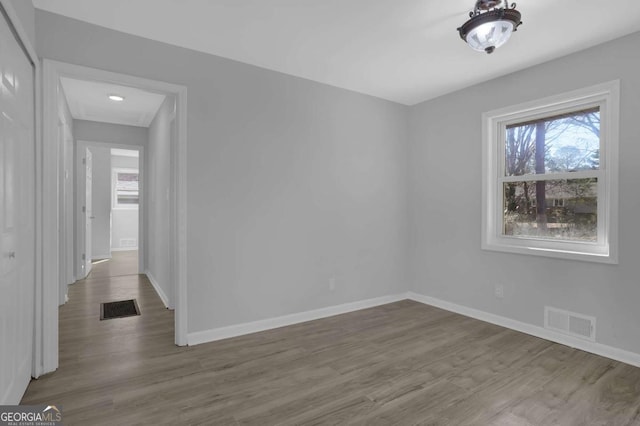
column 123, row 249
column 205, row 336
column 611, row 352
column 212, row 335
column 158, row 289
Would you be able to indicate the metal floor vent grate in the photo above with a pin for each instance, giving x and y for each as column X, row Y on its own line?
column 571, row 323
column 119, row 309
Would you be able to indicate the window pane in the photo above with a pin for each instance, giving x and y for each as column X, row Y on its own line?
column 563, row 143
column 127, row 180
column 127, row 197
column 127, row 188
column 554, row 209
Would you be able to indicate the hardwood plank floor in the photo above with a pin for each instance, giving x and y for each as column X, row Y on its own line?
column 402, row 363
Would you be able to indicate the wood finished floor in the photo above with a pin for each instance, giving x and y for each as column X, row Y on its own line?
column 402, row 363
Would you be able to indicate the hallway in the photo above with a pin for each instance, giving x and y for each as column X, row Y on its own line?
column 98, row 358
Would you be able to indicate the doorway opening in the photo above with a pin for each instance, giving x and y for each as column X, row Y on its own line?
column 109, row 198
column 126, row 135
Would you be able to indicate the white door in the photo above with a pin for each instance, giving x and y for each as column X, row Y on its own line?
column 17, row 217
column 88, row 216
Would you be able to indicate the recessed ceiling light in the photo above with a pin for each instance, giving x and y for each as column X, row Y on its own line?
column 116, row 98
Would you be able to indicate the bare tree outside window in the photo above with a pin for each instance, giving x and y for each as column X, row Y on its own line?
column 544, row 201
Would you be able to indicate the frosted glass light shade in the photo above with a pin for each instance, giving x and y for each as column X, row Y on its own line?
column 489, row 36
column 486, row 31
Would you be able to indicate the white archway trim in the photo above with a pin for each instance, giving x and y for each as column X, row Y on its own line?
column 46, row 353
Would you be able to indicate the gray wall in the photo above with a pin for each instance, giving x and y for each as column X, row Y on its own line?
column 101, row 202
column 290, row 182
column 125, row 162
column 93, row 131
column 26, row 13
column 158, row 160
column 124, row 222
column 445, row 198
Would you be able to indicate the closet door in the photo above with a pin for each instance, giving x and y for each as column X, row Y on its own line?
column 17, row 215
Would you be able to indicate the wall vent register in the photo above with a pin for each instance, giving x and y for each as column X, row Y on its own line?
column 570, row 323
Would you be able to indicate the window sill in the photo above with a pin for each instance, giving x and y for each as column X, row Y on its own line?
column 607, row 258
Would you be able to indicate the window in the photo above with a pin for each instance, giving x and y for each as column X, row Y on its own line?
column 125, row 189
column 550, row 176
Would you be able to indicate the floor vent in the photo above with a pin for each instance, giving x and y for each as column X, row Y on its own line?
column 120, row 309
column 570, row 323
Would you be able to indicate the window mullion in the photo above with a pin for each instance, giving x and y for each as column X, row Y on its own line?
column 553, row 176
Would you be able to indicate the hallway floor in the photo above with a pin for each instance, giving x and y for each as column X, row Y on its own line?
column 100, row 359
column 121, row 263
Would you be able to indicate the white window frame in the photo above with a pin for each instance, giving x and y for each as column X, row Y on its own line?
column 114, row 195
column 607, row 97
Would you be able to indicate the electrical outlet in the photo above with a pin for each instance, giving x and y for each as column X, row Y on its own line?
column 498, row 291
column 332, row 283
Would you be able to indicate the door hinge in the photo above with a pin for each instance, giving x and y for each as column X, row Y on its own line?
column 84, row 209
column 84, row 161
column 83, row 256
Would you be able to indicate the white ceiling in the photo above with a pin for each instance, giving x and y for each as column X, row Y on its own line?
column 88, row 100
column 406, row 51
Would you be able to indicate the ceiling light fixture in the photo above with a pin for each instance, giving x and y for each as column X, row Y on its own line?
column 491, row 25
column 116, row 98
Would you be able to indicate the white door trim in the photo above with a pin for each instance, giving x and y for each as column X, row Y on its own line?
column 52, row 71
column 36, row 370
